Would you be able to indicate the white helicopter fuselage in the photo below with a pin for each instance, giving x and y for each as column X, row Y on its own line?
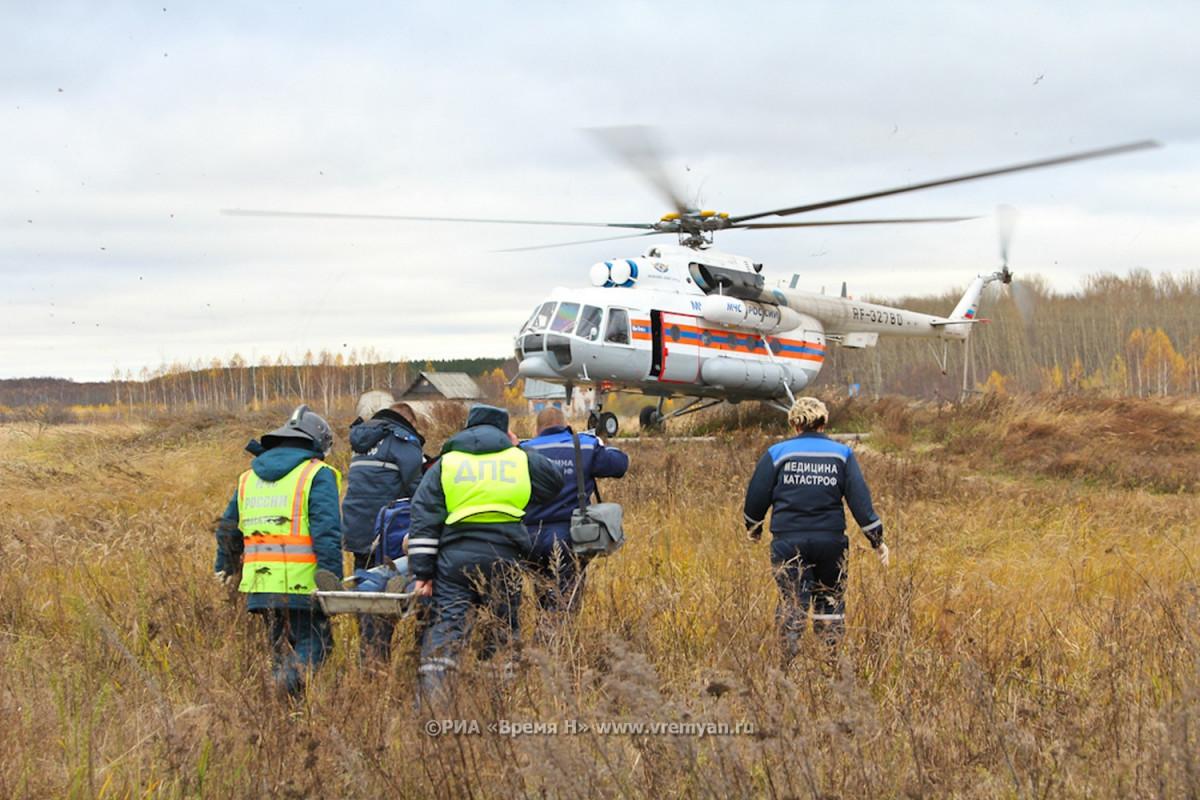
column 700, row 323
column 667, row 347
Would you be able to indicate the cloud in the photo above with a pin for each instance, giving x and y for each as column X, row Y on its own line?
column 128, row 127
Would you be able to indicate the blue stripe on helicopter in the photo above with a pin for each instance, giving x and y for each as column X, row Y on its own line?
column 735, row 341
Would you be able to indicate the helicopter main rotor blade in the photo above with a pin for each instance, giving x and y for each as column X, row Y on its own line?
column 248, row 212
column 636, row 146
column 581, row 241
column 1047, row 162
column 899, row 221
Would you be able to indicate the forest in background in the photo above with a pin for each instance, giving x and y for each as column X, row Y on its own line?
column 325, row 379
column 1132, row 336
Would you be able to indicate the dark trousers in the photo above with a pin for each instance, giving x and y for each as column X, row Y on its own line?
column 374, row 631
column 472, row 578
column 300, row 642
column 558, row 573
column 810, row 570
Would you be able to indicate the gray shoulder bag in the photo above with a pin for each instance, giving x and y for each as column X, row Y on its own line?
column 596, row 527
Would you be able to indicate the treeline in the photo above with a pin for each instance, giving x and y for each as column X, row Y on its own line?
column 325, row 378
column 26, row 392
column 1131, row 336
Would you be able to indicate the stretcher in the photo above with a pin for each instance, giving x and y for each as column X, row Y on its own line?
column 388, row 604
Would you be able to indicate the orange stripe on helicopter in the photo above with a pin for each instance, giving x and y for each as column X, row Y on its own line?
column 730, row 341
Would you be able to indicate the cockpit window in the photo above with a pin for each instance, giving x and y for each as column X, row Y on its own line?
column 541, row 317
column 564, row 320
column 618, row 326
column 589, row 324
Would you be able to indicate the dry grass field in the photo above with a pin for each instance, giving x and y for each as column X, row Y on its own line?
column 1037, row 634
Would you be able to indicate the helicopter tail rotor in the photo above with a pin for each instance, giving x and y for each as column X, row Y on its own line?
column 1025, row 300
column 1023, row 297
column 1006, row 218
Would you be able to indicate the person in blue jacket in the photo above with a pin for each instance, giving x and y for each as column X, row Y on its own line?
column 559, row 573
column 387, row 463
column 803, row 481
column 281, row 526
column 466, row 540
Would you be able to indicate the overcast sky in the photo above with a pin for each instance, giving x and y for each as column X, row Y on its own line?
column 128, row 126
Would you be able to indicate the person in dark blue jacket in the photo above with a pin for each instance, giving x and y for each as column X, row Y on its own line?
column 466, row 540
column 280, row 527
column 803, row 481
column 387, row 463
column 559, row 573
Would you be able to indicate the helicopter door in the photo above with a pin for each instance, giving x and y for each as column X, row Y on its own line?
column 656, row 344
column 675, row 356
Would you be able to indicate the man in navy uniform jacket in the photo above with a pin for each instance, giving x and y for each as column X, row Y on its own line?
column 558, row 571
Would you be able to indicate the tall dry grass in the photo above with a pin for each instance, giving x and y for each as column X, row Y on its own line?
column 1036, row 635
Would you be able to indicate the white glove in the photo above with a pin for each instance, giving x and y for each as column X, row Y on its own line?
column 881, row 553
column 225, row 578
column 755, row 533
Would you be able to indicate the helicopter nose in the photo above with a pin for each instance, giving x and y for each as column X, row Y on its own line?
column 536, row 367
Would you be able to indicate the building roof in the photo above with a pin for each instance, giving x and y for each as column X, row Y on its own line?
column 448, row 385
column 543, row 390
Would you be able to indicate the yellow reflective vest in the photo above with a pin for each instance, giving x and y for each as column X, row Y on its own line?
column 486, row 487
column 273, row 518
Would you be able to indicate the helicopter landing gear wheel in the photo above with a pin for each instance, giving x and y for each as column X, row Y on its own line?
column 606, row 425
column 651, row 418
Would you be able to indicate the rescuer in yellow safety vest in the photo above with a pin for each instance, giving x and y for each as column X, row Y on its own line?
column 466, row 539
column 282, row 524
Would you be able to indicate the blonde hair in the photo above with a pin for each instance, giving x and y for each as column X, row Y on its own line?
column 808, row 414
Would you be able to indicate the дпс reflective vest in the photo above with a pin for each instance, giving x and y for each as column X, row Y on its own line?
column 487, row 487
column 273, row 518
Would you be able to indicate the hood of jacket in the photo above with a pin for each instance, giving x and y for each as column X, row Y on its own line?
column 273, row 464
column 486, row 432
column 478, row 439
column 365, row 436
column 481, row 414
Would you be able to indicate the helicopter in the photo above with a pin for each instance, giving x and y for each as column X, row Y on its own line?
column 692, row 322
column 702, row 325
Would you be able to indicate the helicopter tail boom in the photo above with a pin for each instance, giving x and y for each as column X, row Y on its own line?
column 958, row 325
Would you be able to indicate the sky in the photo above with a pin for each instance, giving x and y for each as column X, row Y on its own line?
column 129, row 126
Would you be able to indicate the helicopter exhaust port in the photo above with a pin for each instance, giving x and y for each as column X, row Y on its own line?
column 748, row 315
